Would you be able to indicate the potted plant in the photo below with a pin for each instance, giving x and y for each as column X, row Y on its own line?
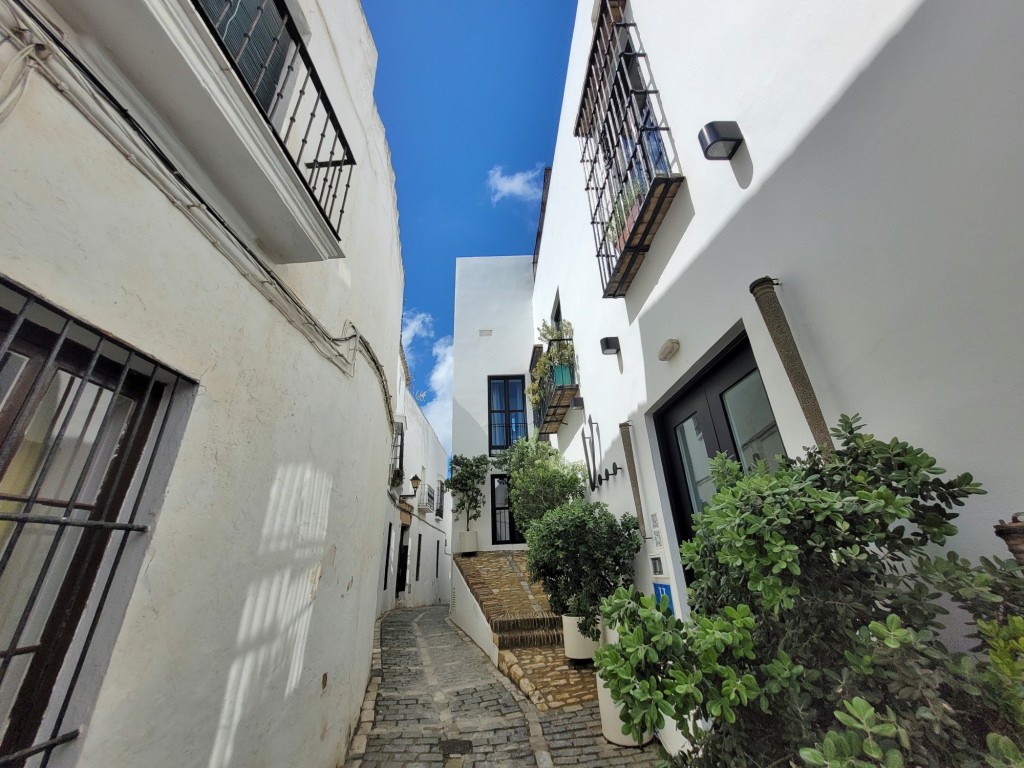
column 581, row 553
column 557, row 361
column 1013, row 534
column 466, row 478
column 397, row 478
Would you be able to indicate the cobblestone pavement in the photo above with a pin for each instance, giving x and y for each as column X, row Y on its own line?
column 435, row 699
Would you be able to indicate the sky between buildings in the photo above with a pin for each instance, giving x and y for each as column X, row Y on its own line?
column 470, row 93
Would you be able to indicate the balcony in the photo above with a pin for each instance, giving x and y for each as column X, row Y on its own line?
column 234, row 100
column 439, row 509
column 554, row 384
column 631, row 180
column 260, row 39
column 425, row 498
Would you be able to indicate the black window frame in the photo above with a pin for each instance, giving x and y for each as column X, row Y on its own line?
column 495, row 449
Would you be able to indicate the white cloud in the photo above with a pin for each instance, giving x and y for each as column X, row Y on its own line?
column 415, row 325
column 439, row 408
column 522, row 185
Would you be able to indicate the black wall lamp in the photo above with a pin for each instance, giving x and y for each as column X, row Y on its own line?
column 610, row 345
column 720, row 139
column 414, row 481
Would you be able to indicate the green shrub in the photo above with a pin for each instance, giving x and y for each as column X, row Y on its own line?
column 582, row 553
column 539, row 480
column 817, row 597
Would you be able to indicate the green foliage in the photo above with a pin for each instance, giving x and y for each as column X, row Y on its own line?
column 539, row 480
column 562, row 352
column 816, row 591
column 466, row 479
column 582, row 553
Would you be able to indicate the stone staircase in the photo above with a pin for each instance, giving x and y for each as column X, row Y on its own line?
column 527, row 634
column 516, row 610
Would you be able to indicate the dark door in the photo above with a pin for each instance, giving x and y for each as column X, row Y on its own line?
column 726, row 410
column 403, row 561
column 503, row 526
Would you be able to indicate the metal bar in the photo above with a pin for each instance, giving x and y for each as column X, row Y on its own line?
column 71, row 522
column 113, row 568
column 44, row 502
column 247, row 35
column 79, row 485
column 284, row 81
column 295, row 111
column 15, row 326
column 20, row 651
column 16, row 758
column 227, row 7
column 273, row 50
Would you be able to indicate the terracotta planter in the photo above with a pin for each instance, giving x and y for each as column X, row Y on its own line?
column 577, row 645
column 611, row 724
column 1013, row 534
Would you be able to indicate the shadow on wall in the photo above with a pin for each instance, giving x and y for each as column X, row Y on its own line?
column 472, row 438
column 677, row 221
column 273, row 630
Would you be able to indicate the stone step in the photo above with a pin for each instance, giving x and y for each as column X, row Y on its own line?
column 531, row 638
column 527, row 622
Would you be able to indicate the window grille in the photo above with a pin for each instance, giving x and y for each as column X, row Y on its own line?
column 506, row 405
column 630, row 178
column 262, row 42
column 81, row 419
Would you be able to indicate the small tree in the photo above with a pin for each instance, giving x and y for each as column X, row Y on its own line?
column 539, row 480
column 466, row 477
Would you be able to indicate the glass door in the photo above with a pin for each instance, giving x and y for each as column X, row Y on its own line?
column 726, row 410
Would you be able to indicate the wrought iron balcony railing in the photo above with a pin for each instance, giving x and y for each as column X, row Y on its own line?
column 426, row 498
column 557, row 385
column 630, row 178
column 262, row 42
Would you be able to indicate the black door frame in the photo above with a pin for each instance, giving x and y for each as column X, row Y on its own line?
column 514, row 536
column 702, row 396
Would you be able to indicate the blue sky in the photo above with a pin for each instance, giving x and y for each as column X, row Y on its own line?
column 469, row 92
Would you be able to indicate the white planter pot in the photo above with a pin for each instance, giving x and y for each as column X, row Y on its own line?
column 672, row 739
column 577, row 645
column 468, row 542
column 611, row 725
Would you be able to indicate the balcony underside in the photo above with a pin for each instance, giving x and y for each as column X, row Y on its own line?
column 621, row 270
column 558, row 406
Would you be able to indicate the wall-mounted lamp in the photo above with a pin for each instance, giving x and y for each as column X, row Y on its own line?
column 720, row 139
column 414, row 481
column 668, row 350
column 610, row 345
column 576, row 403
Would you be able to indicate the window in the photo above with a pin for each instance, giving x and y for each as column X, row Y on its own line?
column 506, row 405
column 387, row 556
column 397, row 456
column 628, row 173
column 419, row 553
column 439, row 509
column 437, row 558
column 81, row 419
column 725, row 409
column 503, row 526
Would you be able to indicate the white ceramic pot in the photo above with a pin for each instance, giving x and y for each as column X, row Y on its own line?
column 672, row 739
column 611, row 725
column 468, row 542
column 577, row 645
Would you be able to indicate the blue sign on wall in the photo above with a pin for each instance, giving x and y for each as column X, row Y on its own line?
column 664, row 589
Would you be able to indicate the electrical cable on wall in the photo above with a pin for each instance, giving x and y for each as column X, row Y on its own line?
column 143, row 152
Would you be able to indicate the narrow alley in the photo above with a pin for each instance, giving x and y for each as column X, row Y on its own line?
column 435, row 699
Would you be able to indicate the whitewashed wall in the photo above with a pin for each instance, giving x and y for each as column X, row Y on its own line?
column 246, row 639
column 494, row 336
column 424, row 457
column 878, row 182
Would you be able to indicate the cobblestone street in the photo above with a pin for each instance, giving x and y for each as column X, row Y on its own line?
column 435, row 699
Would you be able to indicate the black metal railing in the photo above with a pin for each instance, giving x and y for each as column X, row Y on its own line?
column 262, row 42
column 554, row 383
column 439, row 509
column 504, row 431
column 623, row 138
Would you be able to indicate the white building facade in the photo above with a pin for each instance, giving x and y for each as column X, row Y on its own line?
column 861, row 187
column 416, row 569
column 200, row 319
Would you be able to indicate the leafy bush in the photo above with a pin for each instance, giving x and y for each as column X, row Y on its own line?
column 582, row 553
column 466, row 478
column 539, row 480
column 816, row 598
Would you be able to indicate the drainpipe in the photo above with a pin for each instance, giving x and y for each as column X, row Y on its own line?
column 763, row 290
